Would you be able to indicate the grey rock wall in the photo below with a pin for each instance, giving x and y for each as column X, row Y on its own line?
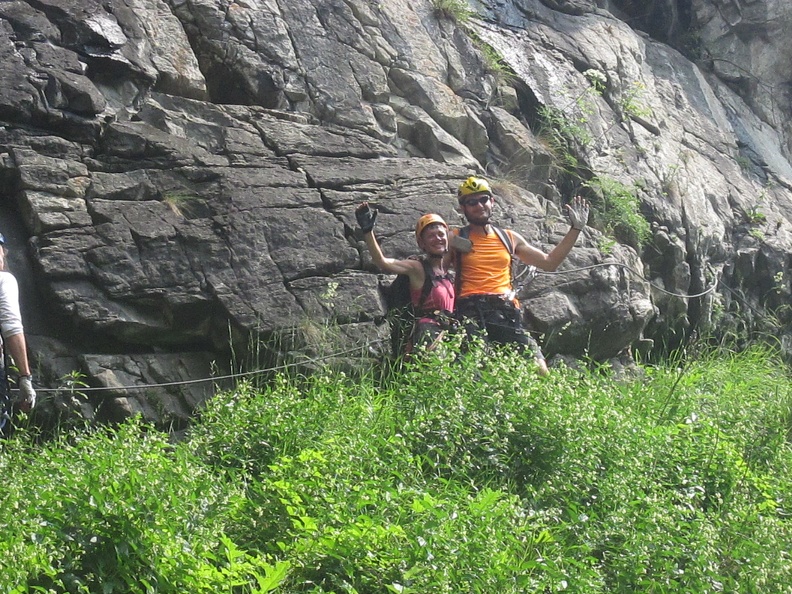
column 177, row 179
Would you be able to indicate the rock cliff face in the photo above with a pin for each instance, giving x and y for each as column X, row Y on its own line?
column 177, row 178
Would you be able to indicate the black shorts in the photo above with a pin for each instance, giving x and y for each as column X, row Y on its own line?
column 496, row 320
column 429, row 328
column 424, row 334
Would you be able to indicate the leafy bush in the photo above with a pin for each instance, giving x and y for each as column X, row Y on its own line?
column 465, row 473
column 117, row 511
column 617, row 211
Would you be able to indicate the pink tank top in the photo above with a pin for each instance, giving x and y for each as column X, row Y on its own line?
column 440, row 298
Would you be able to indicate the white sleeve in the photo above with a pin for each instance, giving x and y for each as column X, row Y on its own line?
column 10, row 316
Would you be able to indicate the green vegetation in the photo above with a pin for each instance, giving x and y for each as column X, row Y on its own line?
column 631, row 104
column 616, row 208
column 606, row 245
column 669, row 179
column 449, row 477
column 597, row 79
column 573, row 129
column 459, row 12
column 566, row 130
column 182, row 203
column 757, row 234
column 560, row 135
column 569, row 127
column 494, row 63
column 744, row 163
column 455, row 10
column 755, row 216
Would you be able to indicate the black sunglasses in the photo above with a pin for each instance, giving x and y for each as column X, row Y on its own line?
column 473, row 201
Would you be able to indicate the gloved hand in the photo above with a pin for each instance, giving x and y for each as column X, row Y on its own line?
column 366, row 217
column 27, row 395
column 578, row 211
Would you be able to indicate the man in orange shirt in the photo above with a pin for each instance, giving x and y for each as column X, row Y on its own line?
column 482, row 253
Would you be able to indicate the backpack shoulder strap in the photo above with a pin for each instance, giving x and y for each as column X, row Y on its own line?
column 464, row 233
column 427, row 285
column 505, row 238
column 528, row 272
column 508, row 243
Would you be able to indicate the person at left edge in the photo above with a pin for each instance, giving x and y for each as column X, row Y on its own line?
column 13, row 333
column 433, row 309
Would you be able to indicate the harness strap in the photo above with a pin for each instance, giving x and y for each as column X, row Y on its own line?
column 479, row 304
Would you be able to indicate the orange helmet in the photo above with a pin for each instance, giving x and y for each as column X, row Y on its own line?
column 473, row 185
column 425, row 221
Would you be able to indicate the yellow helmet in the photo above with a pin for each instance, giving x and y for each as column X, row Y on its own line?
column 473, row 185
column 425, row 221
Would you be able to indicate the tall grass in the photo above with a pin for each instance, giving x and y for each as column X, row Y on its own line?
column 456, row 475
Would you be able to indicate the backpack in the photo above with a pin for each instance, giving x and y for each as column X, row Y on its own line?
column 397, row 294
column 401, row 311
column 529, row 272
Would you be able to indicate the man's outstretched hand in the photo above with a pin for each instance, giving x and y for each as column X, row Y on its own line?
column 366, row 217
column 578, row 211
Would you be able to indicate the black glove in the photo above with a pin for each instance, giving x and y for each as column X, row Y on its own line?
column 366, row 217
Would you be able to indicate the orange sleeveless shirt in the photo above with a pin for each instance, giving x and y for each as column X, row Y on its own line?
column 486, row 269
